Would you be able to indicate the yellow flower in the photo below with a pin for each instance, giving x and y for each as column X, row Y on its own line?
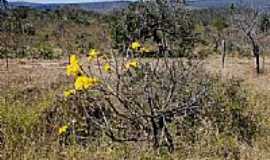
column 93, row 54
column 73, row 69
column 133, row 63
column 85, row 82
column 73, row 59
column 69, row 92
column 135, row 45
column 107, row 68
column 63, row 129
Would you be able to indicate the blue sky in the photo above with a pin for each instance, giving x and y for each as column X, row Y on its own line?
column 60, row 1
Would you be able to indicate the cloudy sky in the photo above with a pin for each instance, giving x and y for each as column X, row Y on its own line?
column 60, row 1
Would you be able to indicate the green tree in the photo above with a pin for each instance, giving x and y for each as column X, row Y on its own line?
column 166, row 24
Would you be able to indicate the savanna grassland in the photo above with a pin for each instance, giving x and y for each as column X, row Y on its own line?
column 153, row 81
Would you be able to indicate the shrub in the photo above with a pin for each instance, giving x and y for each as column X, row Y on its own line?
column 158, row 101
column 48, row 52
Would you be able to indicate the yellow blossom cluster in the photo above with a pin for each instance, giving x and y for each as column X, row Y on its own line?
column 74, row 68
column 136, row 46
column 69, row 92
column 132, row 64
column 93, row 54
column 82, row 82
column 85, row 82
column 63, row 129
column 107, row 68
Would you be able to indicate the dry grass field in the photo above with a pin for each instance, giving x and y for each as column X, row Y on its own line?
column 242, row 68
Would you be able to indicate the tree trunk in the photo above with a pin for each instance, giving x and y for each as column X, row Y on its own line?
column 223, row 44
column 257, row 61
column 7, row 64
column 256, row 53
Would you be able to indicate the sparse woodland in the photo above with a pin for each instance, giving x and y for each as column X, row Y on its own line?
column 156, row 80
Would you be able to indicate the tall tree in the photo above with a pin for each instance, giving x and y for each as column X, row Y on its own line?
column 248, row 22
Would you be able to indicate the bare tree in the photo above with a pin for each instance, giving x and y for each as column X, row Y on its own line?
column 247, row 20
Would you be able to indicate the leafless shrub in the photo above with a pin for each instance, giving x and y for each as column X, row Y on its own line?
column 158, row 102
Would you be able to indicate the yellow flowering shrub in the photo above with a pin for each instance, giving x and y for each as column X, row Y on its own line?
column 139, row 97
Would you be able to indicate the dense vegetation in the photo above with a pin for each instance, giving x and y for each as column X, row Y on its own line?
column 49, row 34
column 135, row 86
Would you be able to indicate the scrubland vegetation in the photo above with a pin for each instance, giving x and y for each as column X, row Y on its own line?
column 153, row 81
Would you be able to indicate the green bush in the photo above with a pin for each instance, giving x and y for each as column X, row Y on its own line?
column 48, row 52
column 170, row 27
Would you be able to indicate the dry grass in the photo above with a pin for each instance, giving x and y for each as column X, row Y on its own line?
column 259, row 98
column 30, row 73
column 242, row 68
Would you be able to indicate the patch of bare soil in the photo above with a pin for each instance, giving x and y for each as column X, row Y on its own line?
column 29, row 73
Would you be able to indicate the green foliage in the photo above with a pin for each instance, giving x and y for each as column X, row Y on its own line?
column 169, row 27
column 219, row 24
column 23, row 33
column 47, row 52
